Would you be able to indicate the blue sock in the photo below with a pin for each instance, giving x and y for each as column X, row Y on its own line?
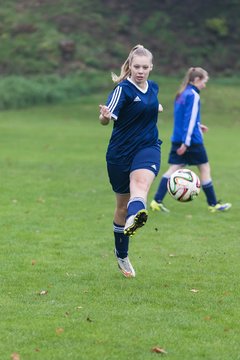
column 162, row 190
column 121, row 241
column 210, row 193
column 134, row 205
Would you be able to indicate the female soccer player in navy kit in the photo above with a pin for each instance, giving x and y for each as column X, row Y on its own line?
column 187, row 141
column 133, row 154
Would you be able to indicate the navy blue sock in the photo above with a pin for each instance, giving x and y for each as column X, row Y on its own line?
column 162, row 190
column 134, row 205
column 121, row 241
column 210, row 193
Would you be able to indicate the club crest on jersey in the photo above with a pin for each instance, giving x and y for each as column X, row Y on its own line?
column 137, row 98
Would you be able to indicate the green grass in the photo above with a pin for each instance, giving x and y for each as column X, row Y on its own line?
column 56, row 209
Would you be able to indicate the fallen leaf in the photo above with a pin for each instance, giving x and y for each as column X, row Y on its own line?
column 15, row 356
column 59, row 331
column 43, row 292
column 158, row 350
column 226, row 329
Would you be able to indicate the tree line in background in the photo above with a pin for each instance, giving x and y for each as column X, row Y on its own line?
column 54, row 49
column 58, row 36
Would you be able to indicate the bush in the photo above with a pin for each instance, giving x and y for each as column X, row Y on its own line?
column 20, row 92
column 218, row 26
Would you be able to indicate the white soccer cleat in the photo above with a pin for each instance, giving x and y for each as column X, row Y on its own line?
column 125, row 266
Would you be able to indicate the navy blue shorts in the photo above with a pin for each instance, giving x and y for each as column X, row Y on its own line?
column 195, row 155
column 119, row 175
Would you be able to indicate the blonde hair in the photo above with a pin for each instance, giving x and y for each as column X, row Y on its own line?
column 191, row 75
column 139, row 50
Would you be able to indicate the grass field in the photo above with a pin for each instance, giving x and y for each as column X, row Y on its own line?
column 62, row 296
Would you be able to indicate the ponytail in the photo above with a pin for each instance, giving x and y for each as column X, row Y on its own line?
column 125, row 68
column 191, row 75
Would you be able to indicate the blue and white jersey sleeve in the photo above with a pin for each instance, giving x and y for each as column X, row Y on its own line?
column 116, row 100
column 190, row 117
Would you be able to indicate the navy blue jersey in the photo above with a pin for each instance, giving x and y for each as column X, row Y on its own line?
column 135, row 114
column 187, row 117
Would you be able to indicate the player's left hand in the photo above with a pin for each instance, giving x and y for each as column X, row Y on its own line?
column 204, row 128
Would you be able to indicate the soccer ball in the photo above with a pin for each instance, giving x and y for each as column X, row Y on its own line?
column 184, row 185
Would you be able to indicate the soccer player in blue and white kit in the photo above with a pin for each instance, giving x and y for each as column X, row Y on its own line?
column 187, row 141
column 133, row 154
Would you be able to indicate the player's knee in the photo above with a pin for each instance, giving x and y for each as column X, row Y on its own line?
column 142, row 184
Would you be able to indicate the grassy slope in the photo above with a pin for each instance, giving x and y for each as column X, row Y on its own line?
column 56, row 235
column 103, row 32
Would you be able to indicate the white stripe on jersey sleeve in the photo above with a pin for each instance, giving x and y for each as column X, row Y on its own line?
column 192, row 121
column 114, row 100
